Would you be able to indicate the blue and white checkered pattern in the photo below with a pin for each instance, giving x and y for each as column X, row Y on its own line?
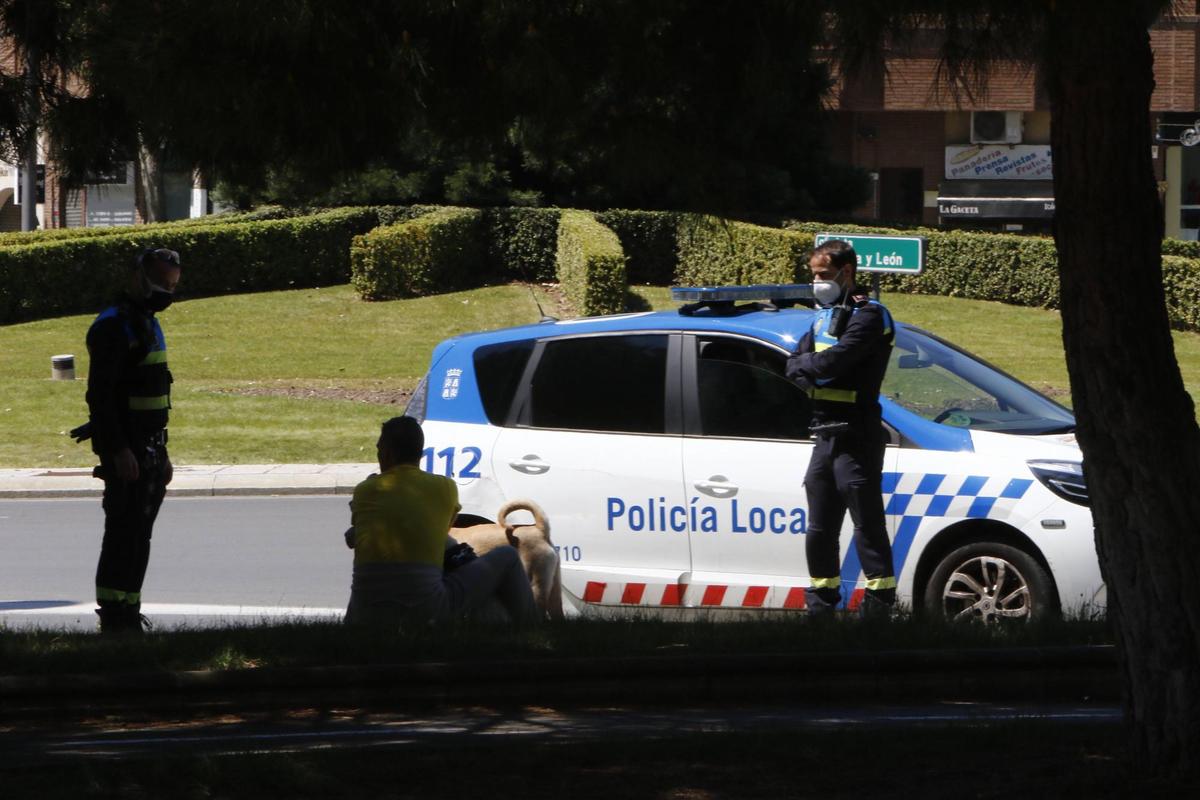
column 915, row 496
column 932, row 495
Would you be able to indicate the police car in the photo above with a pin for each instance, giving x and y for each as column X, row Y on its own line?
column 669, row 452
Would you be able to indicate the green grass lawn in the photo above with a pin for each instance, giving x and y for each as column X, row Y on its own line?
column 307, row 375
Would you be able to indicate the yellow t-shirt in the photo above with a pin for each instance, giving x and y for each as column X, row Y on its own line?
column 403, row 516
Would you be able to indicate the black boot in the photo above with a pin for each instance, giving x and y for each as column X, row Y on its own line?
column 134, row 620
column 113, row 617
column 117, row 618
column 878, row 604
column 821, row 602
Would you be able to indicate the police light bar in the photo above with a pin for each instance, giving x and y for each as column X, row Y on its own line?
column 762, row 291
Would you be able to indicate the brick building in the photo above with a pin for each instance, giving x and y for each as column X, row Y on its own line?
column 984, row 162
column 112, row 199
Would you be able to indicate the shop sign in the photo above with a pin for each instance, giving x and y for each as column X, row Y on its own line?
column 996, row 207
column 1026, row 162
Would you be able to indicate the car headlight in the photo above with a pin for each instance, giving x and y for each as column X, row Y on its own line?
column 1064, row 478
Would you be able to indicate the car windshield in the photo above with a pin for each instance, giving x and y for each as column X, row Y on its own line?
column 936, row 380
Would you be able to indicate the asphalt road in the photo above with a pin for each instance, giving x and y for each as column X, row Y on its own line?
column 212, row 559
column 311, row 728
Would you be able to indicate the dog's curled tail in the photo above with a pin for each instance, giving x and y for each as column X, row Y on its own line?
column 539, row 518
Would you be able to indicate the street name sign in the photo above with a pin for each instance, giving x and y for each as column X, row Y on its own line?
column 903, row 254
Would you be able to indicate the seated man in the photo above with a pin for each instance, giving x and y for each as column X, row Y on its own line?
column 400, row 521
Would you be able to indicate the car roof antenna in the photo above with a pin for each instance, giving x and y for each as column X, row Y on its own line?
column 544, row 316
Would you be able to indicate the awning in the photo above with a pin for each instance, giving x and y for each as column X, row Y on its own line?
column 996, row 200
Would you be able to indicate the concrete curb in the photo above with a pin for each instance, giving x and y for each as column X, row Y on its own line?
column 1075, row 674
column 195, row 480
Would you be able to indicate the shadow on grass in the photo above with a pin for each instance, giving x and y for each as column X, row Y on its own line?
column 324, row 643
column 635, row 302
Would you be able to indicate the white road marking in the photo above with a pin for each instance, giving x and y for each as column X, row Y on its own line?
column 187, row 610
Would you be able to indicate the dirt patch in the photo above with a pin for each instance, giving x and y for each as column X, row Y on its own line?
column 1053, row 392
column 375, row 396
column 559, row 306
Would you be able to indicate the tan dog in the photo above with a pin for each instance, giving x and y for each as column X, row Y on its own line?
column 533, row 545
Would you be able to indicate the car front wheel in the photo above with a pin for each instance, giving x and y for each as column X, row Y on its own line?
column 992, row 583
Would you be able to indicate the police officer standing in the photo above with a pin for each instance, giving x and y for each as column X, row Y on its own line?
column 129, row 397
column 840, row 362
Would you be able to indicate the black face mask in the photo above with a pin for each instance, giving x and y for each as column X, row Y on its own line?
column 158, row 299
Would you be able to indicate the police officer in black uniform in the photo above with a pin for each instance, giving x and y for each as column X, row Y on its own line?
column 840, row 362
column 129, row 398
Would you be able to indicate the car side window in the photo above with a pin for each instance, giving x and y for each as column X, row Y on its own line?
column 743, row 393
column 498, row 369
column 601, row 383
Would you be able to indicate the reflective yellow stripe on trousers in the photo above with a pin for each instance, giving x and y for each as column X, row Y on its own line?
column 116, row 595
column 826, row 583
column 876, row 584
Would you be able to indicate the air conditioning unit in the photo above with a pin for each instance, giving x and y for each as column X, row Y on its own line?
column 996, row 127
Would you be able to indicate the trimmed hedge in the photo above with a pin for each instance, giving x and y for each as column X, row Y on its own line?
column 78, row 274
column 1019, row 270
column 1022, row 270
column 713, row 251
column 1181, row 284
column 591, row 264
column 438, row 251
column 649, row 241
column 522, row 243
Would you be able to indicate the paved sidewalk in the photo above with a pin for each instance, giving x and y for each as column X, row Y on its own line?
column 195, row 480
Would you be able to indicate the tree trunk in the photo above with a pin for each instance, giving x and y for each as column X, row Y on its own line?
column 151, row 194
column 1137, row 425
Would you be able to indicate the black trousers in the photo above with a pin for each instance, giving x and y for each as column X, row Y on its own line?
column 130, row 508
column 845, row 474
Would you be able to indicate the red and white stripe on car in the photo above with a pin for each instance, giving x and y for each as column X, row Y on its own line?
column 699, row 595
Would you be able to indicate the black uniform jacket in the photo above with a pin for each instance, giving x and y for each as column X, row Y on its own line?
column 129, row 384
column 843, row 374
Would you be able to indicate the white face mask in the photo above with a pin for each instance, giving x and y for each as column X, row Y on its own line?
column 827, row 292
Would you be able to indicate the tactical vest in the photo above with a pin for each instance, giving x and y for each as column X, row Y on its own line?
column 848, row 396
column 146, row 382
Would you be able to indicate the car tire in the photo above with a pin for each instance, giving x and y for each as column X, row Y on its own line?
column 991, row 583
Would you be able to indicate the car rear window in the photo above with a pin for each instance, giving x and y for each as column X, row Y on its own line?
column 498, row 369
column 601, row 383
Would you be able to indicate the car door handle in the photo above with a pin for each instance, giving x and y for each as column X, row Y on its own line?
column 717, row 486
column 530, row 465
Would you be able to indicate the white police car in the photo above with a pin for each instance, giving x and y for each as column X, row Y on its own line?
column 669, row 455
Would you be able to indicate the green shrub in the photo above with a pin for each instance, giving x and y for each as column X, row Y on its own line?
column 73, row 275
column 394, row 215
column 985, row 266
column 714, row 252
column 436, row 252
column 1020, row 270
column 649, row 241
column 522, row 243
column 591, row 264
column 1181, row 284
